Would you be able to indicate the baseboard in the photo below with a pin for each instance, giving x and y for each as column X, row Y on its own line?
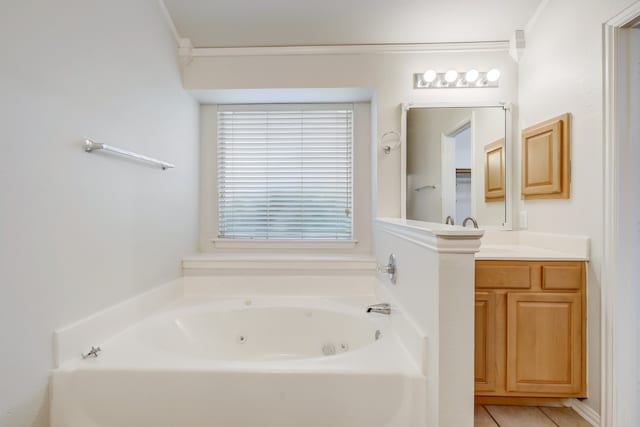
column 556, row 402
column 69, row 342
column 585, row 411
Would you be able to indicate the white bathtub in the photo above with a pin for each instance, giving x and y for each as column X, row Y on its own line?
column 243, row 362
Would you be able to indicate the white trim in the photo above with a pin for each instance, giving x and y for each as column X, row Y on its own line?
column 454, row 130
column 279, row 106
column 610, row 228
column 403, row 160
column 284, row 244
column 491, row 46
column 72, row 340
column 509, row 143
column 614, row 409
column 536, row 15
column 170, row 23
column 517, row 44
column 286, row 263
column 625, row 17
column 584, row 410
column 436, row 237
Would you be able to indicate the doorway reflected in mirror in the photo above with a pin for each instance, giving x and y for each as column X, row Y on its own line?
column 453, row 167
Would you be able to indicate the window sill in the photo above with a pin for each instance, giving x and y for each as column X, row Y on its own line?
column 284, row 244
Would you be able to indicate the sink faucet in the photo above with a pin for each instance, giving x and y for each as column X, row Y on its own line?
column 449, row 220
column 470, row 218
column 382, row 308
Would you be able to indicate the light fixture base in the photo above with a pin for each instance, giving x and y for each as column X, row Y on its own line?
column 440, row 81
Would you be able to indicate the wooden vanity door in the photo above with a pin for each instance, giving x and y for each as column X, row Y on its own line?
column 544, row 343
column 485, row 341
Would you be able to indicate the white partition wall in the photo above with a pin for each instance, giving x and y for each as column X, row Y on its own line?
column 435, row 286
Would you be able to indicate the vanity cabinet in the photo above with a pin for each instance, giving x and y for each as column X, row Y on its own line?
column 530, row 329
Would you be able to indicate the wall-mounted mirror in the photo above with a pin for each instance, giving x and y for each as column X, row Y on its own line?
column 455, row 163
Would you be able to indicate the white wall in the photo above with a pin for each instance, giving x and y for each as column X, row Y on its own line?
column 561, row 71
column 390, row 75
column 434, row 287
column 80, row 232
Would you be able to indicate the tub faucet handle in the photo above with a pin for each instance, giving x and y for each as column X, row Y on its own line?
column 382, row 308
column 92, row 353
column 389, row 269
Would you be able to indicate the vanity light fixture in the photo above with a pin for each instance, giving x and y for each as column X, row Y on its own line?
column 493, row 75
column 429, row 76
column 452, row 79
column 451, row 76
column 472, row 75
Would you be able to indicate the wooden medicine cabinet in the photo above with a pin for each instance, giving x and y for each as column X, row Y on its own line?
column 546, row 159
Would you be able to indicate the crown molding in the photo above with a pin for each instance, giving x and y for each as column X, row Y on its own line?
column 172, row 26
column 536, row 15
column 517, row 45
column 354, row 49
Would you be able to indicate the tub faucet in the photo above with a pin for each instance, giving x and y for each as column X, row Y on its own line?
column 382, row 308
column 472, row 219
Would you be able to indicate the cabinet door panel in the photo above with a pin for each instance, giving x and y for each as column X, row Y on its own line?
column 544, row 343
column 485, row 341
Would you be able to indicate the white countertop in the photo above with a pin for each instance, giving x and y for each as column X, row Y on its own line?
column 526, row 245
column 435, row 228
column 520, row 252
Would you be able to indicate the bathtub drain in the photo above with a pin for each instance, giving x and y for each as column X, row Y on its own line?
column 242, row 339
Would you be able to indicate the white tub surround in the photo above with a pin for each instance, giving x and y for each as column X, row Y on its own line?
column 435, row 285
column 70, row 341
column 287, row 263
column 240, row 274
column 532, row 246
column 250, row 361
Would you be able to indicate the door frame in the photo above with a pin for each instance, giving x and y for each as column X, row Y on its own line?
column 616, row 308
column 448, row 157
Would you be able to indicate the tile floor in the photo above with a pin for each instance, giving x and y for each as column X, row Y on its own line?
column 527, row 416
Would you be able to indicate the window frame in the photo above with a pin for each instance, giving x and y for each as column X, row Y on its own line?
column 311, row 243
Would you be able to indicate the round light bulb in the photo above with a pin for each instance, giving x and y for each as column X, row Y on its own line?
column 493, row 75
column 429, row 76
column 471, row 75
column 451, row 76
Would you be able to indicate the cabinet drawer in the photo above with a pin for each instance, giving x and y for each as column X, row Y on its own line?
column 513, row 275
column 563, row 276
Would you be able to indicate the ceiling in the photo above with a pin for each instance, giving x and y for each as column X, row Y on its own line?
column 245, row 23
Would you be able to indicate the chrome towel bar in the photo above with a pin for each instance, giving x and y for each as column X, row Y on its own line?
column 90, row 146
column 425, row 187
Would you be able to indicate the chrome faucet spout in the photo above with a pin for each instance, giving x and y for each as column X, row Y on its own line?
column 382, row 308
column 449, row 220
column 472, row 219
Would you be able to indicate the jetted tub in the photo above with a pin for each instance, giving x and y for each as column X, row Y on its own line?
column 281, row 362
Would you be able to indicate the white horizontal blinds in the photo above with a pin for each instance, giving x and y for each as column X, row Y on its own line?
column 285, row 172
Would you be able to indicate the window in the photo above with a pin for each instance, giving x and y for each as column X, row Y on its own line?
column 285, row 172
